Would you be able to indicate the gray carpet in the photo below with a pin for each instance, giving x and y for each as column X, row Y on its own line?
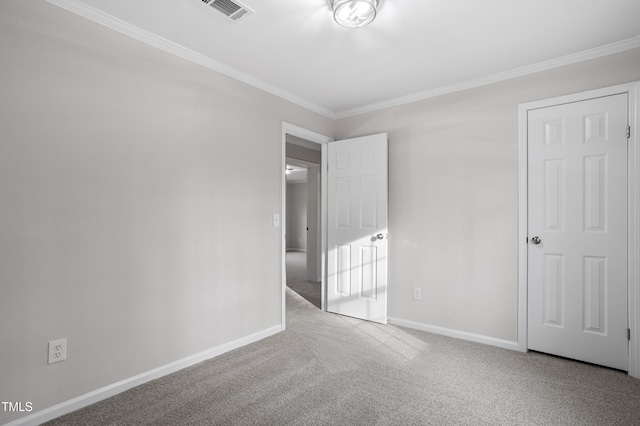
column 296, row 262
column 331, row 370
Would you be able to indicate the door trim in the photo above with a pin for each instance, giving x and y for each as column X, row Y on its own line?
column 292, row 129
column 633, row 196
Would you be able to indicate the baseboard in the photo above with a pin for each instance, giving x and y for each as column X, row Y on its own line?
column 123, row 385
column 463, row 335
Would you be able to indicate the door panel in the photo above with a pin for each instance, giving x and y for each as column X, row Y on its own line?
column 577, row 284
column 357, row 214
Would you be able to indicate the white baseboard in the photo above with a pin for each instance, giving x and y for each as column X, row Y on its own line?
column 463, row 335
column 123, row 385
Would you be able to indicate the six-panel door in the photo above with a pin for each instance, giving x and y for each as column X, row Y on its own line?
column 357, row 228
column 577, row 284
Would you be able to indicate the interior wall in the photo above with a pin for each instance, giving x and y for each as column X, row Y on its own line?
column 303, row 153
column 124, row 223
column 453, row 194
column 297, row 199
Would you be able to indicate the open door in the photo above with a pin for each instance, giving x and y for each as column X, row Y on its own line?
column 357, row 227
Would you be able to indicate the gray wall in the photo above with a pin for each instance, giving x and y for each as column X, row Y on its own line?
column 124, row 225
column 453, row 188
column 297, row 200
column 302, row 153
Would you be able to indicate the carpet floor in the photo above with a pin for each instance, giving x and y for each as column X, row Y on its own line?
column 331, row 370
column 296, row 263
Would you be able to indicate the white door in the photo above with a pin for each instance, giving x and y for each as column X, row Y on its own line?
column 577, row 283
column 357, row 228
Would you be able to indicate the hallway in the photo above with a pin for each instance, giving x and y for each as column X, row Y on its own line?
column 296, row 262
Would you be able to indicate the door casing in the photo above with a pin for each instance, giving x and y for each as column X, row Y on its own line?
column 633, row 197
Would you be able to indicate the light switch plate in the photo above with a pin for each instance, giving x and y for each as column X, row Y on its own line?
column 417, row 293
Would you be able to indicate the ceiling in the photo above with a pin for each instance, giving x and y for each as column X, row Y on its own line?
column 414, row 49
column 296, row 174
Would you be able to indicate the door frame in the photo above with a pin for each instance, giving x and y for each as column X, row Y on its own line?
column 323, row 140
column 633, row 198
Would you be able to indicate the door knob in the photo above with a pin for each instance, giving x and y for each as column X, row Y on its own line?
column 536, row 240
column 379, row 236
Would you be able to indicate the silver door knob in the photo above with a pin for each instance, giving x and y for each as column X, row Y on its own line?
column 379, row 236
column 536, row 240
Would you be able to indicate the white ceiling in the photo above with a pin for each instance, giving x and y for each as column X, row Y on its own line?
column 296, row 174
column 414, row 49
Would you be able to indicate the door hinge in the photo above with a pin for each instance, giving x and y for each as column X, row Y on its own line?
column 628, row 132
column 629, row 334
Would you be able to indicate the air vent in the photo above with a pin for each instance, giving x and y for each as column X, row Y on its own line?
column 233, row 9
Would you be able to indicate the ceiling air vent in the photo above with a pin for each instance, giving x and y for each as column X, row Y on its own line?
column 233, row 9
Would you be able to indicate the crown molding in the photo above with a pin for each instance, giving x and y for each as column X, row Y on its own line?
column 597, row 52
column 100, row 17
column 109, row 21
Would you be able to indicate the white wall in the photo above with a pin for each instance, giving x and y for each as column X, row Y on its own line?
column 454, row 196
column 297, row 199
column 124, row 225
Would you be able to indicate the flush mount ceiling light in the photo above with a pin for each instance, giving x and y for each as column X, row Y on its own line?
column 354, row 13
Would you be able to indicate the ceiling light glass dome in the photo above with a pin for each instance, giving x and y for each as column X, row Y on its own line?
column 354, row 13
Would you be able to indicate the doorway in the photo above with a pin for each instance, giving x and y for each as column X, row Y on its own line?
column 356, row 262
column 579, row 289
column 295, row 136
column 303, row 228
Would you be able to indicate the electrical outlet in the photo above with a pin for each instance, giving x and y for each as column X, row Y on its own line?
column 417, row 293
column 276, row 220
column 57, row 350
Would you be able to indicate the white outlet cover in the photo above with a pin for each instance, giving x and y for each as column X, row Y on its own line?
column 57, row 351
